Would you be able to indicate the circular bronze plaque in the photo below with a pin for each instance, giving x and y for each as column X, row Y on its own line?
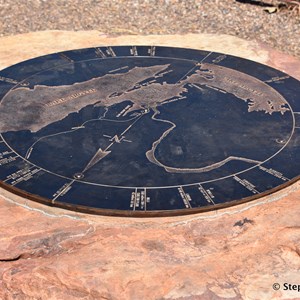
column 147, row 131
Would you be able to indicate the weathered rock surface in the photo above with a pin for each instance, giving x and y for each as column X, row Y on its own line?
column 237, row 253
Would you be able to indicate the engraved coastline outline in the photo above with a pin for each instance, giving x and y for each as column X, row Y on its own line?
column 115, row 88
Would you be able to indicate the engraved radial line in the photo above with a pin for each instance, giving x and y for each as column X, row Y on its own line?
column 62, row 191
column 187, row 73
column 206, row 57
column 194, row 67
column 131, row 125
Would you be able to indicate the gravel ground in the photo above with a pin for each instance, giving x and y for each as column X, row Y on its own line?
column 280, row 30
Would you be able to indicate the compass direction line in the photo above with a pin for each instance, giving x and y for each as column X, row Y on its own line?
column 197, row 64
column 128, row 128
column 206, row 57
column 128, row 141
column 194, row 67
column 109, row 146
column 100, row 154
column 63, row 190
column 118, row 121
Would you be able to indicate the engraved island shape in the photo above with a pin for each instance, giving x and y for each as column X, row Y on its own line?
column 38, row 107
column 33, row 109
column 258, row 95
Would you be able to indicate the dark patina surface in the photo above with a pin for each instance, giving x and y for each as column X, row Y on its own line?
column 147, row 131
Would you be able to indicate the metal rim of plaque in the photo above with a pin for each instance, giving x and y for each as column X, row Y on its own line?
column 147, row 131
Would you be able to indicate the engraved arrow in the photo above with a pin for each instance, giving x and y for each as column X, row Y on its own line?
column 100, row 154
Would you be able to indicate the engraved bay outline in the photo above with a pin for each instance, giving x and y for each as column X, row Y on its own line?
column 256, row 103
column 260, row 82
column 151, row 154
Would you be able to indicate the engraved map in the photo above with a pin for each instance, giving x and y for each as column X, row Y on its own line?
column 145, row 129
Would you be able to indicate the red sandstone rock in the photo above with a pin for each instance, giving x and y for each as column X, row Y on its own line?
column 235, row 253
column 230, row 254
